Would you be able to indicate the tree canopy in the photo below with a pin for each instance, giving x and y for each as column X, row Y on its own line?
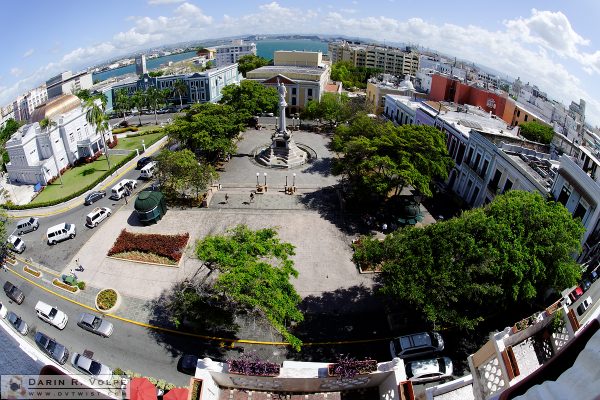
column 536, row 131
column 250, row 98
column 255, row 270
column 379, row 157
column 209, row 129
column 352, row 76
column 492, row 259
column 179, row 170
column 249, row 62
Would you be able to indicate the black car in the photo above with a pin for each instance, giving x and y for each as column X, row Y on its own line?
column 57, row 351
column 143, row 161
column 14, row 293
column 187, row 364
column 94, row 197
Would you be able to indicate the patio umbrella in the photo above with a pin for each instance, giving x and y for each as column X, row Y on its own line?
column 141, row 389
column 176, row 394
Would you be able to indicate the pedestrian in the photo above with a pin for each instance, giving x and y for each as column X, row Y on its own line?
column 226, row 198
column 251, row 197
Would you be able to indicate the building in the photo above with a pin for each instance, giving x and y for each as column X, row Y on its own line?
column 202, row 87
column 448, row 89
column 68, row 83
column 380, row 86
column 388, row 59
column 230, row 53
column 6, row 113
column 20, row 109
column 401, row 110
column 304, row 73
column 140, row 65
column 37, row 155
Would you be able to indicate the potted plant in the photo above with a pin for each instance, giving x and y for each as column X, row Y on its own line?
column 348, row 367
column 250, row 364
column 195, row 392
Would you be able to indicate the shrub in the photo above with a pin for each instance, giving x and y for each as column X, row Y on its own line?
column 106, row 299
column 169, row 386
column 349, row 367
column 63, row 285
column 126, row 129
column 81, row 285
column 161, row 384
column 152, row 380
column 118, row 371
column 129, row 373
column 170, row 246
column 250, row 364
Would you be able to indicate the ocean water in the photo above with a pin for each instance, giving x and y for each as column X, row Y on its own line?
column 264, row 48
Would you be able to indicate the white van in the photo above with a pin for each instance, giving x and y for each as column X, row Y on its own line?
column 97, row 215
column 60, row 232
column 148, row 171
column 118, row 191
column 51, row 315
column 27, row 225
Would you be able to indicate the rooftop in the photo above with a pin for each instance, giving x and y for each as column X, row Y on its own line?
column 464, row 118
column 288, row 69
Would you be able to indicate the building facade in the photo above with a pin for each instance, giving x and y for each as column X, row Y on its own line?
column 202, row 87
column 304, row 74
column 230, row 53
column 37, row 154
column 379, row 87
column 390, row 60
column 68, row 83
column 401, row 110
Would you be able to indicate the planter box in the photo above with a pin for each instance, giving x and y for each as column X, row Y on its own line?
column 266, row 375
column 362, row 367
column 195, row 389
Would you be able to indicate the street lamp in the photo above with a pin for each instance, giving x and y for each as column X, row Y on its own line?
column 257, row 175
column 286, row 181
column 265, row 174
column 294, row 179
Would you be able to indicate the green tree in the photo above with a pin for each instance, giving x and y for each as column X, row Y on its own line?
column 249, row 62
column 209, row 129
column 333, row 108
column 155, row 74
column 156, row 98
column 47, row 123
column 378, row 157
column 10, row 127
column 95, row 116
column 83, row 94
column 250, row 98
column 139, row 100
column 255, row 270
column 499, row 258
column 352, row 76
column 180, row 89
column 122, row 102
column 536, row 132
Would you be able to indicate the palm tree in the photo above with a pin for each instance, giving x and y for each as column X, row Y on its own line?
column 95, row 116
column 139, row 101
column 156, row 98
column 47, row 124
column 122, row 101
column 180, row 88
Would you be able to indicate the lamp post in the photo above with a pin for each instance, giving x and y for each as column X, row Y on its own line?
column 257, row 175
column 294, row 179
column 265, row 174
column 286, row 181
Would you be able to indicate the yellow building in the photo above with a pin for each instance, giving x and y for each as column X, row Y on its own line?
column 377, row 90
column 391, row 60
column 304, row 73
column 522, row 114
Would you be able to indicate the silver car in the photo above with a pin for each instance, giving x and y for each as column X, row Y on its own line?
column 96, row 325
column 17, row 323
column 429, row 370
column 91, row 367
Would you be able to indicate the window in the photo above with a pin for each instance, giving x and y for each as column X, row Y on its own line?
column 474, row 196
column 486, row 164
column 293, row 91
column 460, row 154
column 526, row 116
column 468, row 189
column 293, row 101
column 477, row 160
column 580, row 211
column 309, row 92
column 469, row 156
column 507, row 186
column 564, row 195
column 493, row 185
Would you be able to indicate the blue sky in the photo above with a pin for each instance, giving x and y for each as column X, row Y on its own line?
column 554, row 44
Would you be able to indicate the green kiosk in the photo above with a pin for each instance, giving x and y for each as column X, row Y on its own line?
column 150, row 207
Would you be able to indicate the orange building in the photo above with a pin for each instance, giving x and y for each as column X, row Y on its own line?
column 444, row 88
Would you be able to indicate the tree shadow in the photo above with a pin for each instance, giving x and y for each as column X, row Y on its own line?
column 333, row 320
column 320, row 166
column 326, row 201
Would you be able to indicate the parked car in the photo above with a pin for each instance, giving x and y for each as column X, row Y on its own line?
column 575, row 294
column 91, row 367
column 51, row 315
column 60, row 232
column 98, row 215
column 96, row 325
column 417, row 344
column 55, row 350
column 143, row 161
column 429, row 370
column 16, row 244
column 94, row 197
column 3, row 311
column 27, row 225
column 584, row 305
column 17, row 323
column 594, row 275
column 187, row 364
column 13, row 293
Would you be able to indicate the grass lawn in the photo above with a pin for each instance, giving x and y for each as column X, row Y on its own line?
column 132, row 143
column 76, row 179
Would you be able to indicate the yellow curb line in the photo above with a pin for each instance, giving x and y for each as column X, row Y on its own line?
column 173, row 331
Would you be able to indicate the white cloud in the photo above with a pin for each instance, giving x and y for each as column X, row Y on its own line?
column 157, row 2
column 16, row 71
column 28, row 53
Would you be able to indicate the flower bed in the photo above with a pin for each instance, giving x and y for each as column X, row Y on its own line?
column 252, row 365
column 106, row 299
column 196, row 389
column 168, row 246
column 64, row 286
column 347, row 367
column 33, row 272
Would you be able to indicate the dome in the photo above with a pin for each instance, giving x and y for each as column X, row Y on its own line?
column 147, row 200
column 55, row 107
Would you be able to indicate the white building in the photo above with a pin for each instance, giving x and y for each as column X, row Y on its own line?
column 390, row 60
column 68, row 83
column 36, row 154
column 400, row 109
column 230, row 53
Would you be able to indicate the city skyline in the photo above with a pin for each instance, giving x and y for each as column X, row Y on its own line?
column 553, row 48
